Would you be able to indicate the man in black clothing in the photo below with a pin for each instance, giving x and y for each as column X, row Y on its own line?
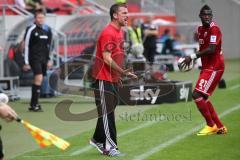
column 37, row 39
column 149, row 40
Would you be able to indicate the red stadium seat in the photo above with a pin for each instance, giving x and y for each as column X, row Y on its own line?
column 8, row 11
column 74, row 50
column 7, row 2
column 64, row 8
column 10, row 1
column 134, row 8
column 77, row 2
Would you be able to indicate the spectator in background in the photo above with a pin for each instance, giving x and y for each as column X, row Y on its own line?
column 170, row 44
column 80, row 2
column 135, row 37
column 166, row 41
column 120, row 1
column 149, row 34
column 22, row 4
column 46, row 90
column 165, row 36
column 177, row 41
column 34, row 5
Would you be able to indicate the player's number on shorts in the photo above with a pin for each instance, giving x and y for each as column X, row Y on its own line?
column 202, row 83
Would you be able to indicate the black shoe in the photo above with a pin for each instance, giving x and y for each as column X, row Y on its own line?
column 222, row 84
column 35, row 108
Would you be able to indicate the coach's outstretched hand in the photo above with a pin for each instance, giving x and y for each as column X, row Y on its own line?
column 128, row 73
column 7, row 113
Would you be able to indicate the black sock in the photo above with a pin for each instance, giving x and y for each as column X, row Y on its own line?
column 35, row 94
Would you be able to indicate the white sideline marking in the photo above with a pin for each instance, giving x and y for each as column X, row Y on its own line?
column 152, row 151
column 80, row 151
column 180, row 137
column 87, row 148
column 47, row 156
column 136, row 128
column 235, row 87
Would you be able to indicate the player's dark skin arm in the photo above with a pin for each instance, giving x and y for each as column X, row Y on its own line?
column 211, row 49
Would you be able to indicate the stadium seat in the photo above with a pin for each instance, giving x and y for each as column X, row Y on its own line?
column 8, row 11
column 8, row 2
column 64, row 8
column 77, row 2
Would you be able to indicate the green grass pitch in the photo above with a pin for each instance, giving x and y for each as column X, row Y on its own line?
column 168, row 138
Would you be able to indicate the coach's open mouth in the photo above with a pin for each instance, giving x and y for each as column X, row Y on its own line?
column 126, row 20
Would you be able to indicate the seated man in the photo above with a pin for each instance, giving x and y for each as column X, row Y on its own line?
column 34, row 5
column 26, row 76
column 169, row 47
column 22, row 4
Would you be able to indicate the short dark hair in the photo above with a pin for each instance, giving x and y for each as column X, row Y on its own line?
column 115, row 7
column 37, row 12
column 205, row 7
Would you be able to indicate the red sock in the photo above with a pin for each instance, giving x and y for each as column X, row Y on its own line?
column 214, row 115
column 203, row 108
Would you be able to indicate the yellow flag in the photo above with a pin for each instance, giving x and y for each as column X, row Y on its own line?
column 44, row 138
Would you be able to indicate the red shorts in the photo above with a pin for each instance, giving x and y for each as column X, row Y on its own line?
column 208, row 80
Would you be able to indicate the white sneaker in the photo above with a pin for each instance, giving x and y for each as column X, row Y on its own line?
column 115, row 153
column 98, row 146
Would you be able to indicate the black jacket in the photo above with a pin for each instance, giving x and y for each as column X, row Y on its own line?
column 150, row 40
column 37, row 43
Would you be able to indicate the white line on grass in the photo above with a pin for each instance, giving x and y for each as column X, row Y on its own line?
column 152, row 151
column 180, row 137
column 46, row 156
column 235, row 87
column 87, row 148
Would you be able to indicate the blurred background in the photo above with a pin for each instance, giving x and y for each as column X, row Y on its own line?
column 76, row 25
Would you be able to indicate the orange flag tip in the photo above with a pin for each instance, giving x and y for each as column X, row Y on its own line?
column 44, row 138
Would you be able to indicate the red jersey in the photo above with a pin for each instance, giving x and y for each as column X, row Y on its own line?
column 211, row 35
column 110, row 40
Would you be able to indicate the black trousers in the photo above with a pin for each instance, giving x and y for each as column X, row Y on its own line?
column 149, row 53
column 106, row 100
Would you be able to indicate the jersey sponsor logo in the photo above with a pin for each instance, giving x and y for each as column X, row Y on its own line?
column 213, row 39
column 141, row 94
column 43, row 37
column 201, row 41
